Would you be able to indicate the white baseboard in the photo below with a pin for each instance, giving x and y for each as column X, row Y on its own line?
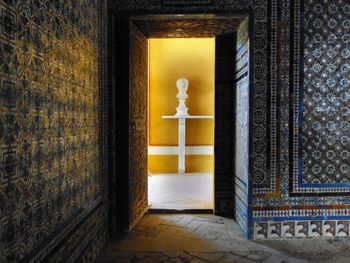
column 172, row 150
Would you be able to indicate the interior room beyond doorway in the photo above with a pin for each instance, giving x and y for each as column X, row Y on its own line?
column 169, row 60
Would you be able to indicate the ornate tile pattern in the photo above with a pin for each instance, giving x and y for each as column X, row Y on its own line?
column 49, row 122
column 242, row 125
column 302, row 229
column 326, row 97
column 308, row 193
column 138, row 136
column 165, row 27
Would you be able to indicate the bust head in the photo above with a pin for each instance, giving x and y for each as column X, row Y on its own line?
column 182, row 85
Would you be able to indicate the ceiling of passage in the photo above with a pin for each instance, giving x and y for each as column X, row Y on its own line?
column 186, row 26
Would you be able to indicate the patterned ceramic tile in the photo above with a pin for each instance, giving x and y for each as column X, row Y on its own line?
column 49, row 123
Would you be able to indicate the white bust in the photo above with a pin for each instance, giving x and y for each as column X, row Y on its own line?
column 182, row 86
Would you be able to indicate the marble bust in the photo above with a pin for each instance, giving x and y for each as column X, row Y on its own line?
column 182, row 86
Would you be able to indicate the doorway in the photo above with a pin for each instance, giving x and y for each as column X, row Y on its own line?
column 181, row 148
column 130, row 64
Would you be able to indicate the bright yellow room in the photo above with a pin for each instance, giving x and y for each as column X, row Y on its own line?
column 181, row 123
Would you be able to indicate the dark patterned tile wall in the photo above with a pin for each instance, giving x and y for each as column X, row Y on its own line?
column 49, row 119
column 315, row 192
column 138, row 113
column 326, row 115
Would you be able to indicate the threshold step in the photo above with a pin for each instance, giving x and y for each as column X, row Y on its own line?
column 179, row 211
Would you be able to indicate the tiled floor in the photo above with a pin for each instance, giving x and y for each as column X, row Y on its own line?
column 173, row 191
column 208, row 238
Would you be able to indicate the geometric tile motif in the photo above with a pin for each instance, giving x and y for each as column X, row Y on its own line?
column 49, row 119
column 242, row 125
column 302, row 229
column 326, row 98
column 193, row 27
column 89, row 237
column 300, row 201
column 137, row 191
column 305, row 213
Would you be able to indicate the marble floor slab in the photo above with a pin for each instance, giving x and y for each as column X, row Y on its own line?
column 180, row 192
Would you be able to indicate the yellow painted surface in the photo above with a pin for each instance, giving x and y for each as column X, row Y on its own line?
column 169, row 60
column 168, row 163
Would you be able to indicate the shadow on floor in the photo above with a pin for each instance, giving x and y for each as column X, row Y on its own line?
column 209, row 238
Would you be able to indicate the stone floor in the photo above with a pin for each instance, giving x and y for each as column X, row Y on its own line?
column 208, row 238
column 180, row 192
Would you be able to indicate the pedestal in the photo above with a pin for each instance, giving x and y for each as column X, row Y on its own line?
column 181, row 146
column 182, row 138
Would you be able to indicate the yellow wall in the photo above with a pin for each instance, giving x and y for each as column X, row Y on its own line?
column 168, row 163
column 169, row 60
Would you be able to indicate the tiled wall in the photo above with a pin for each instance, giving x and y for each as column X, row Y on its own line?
column 314, row 192
column 138, row 111
column 242, row 126
column 50, row 180
column 326, row 95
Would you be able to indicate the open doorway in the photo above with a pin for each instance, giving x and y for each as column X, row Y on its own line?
column 181, row 142
column 232, row 82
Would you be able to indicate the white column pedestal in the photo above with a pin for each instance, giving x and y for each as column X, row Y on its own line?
column 181, row 146
column 182, row 138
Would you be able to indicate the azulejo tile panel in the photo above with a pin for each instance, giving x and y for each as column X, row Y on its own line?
column 49, row 119
column 138, row 115
column 302, row 229
column 312, row 195
column 242, row 125
column 326, row 112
